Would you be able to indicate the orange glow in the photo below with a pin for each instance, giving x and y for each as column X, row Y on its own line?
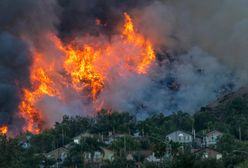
column 85, row 69
column 3, row 130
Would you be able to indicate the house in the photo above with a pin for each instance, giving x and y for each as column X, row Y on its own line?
column 141, row 153
column 111, row 138
column 130, row 157
column 180, row 137
column 208, row 153
column 212, row 137
column 24, row 141
column 78, row 138
column 108, row 154
column 152, row 158
column 57, row 154
column 99, row 156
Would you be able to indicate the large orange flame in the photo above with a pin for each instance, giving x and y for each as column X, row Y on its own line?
column 42, row 85
column 80, row 66
column 85, row 69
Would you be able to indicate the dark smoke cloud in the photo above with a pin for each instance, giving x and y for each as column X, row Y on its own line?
column 22, row 23
column 79, row 16
column 27, row 17
column 15, row 60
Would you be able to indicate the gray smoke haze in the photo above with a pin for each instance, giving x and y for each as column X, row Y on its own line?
column 218, row 27
column 206, row 42
column 201, row 52
column 188, row 83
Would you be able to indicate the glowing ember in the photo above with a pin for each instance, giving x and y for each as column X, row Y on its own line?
column 3, row 130
column 85, row 68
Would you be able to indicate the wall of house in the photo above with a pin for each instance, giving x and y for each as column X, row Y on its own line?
column 180, row 136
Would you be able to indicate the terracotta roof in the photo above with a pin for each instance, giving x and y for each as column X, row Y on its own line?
column 213, row 132
column 206, row 148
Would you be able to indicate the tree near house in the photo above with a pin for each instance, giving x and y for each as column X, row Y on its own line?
column 115, row 122
column 12, row 155
column 243, row 164
column 77, row 153
column 122, row 145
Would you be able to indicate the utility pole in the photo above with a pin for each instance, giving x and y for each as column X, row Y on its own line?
column 125, row 146
column 240, row 134
column 63, row 138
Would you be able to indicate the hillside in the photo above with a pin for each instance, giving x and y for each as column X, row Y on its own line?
column 228, row 114
column 222, row 101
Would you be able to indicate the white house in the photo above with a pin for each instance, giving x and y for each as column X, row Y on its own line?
column 108, row 154
column 59, row 153
column 180, row 136
column 77, row 139
column 152, row 158
column 212, row 137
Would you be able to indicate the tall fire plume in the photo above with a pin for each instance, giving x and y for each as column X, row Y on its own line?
column 86, row 67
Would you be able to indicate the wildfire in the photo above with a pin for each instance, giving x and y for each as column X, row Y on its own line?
column 148, row 54
column 4, row 130
column 80, row 66
column 42, row 85
column 85, row 68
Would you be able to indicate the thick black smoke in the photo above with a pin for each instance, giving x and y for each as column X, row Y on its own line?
column 21, row 24
column 79, row 16
column 15, row 60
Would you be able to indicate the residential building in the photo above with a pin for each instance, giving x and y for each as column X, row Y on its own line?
column 78, row 138
column 108, row 154
column 208, row 153
column 57, row 154
column 152, row 158
column 212, row 137
column 130, row 157
column 180, row 137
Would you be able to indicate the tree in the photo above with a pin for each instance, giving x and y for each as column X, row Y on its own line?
column 243, row 164
column 234, row 151
column 43, row 142
column 183, row 161
column 120, row 162
column 208, row 163
column 77, row 154
column 114, row 122
column 123, row 144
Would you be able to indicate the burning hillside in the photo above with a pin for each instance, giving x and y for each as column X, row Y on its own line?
column 85, row 70
column 76, row 57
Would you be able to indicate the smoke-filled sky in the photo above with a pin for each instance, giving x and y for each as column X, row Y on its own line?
column 201, row 49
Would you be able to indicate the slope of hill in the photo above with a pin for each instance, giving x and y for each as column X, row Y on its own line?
column 228, row 114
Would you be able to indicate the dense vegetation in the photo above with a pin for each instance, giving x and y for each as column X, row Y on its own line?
column 231, row 119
